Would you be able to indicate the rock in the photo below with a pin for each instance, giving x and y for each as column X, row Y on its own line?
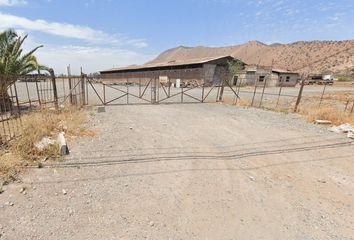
column 151, row 223
column 9, row 204
column 318, row 121
column 71, row 212
column 350, row 135
column 44, row 143
column 345, row 128
column 23, row 189
column 64, row 192
column 335, row 129
column 252, row 178
column 321, row 181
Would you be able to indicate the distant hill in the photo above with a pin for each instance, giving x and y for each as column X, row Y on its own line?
column 304, row 57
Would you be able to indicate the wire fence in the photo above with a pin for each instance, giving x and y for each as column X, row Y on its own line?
column 293, row 98
column 22, row 94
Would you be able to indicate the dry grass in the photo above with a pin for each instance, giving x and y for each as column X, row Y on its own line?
column 35, row 126
column 332, row 107
column 238, row 102
column 332, row 114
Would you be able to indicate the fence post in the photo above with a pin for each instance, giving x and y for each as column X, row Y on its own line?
column 346, row 105
column 83, row 102
column 83, row 89
column 221, row 93
column 70, row 85
column 17, row 102
column 55, row 93
column 323, row 92
column 279, row 93
column 300, row 95
column 255, row 90
column 38, row 94
column 264, row 85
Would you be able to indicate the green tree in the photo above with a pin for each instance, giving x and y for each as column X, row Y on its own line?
column 234, row 67
column 13, row 62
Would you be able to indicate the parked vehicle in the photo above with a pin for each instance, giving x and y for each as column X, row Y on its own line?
column 327, row 79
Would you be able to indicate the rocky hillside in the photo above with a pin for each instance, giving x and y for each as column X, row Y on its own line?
column 314, row 57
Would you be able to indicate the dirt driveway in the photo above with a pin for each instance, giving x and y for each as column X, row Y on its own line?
column 194, row 171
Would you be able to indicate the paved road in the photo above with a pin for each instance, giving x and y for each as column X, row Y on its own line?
column 194, row 171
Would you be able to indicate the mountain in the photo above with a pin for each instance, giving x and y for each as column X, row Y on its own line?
column 303, row 57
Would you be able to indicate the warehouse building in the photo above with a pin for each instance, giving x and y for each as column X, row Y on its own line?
column 208, row 71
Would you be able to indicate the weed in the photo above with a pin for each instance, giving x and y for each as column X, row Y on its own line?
column 35, row 126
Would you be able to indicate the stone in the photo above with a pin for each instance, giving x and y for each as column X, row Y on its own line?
column 151, row 223
column 44, row 143
column 64, row 192
column 318, row 121
column 321, row 181
column 71, row 212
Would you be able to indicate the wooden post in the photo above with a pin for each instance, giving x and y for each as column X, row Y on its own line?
column 38, row 94
column 346, row 106
column 82, row 87
column 323, row 92
column 70, row 85
column 281, row 86
column 17, row 102
column 221, row 93
column 264, row 85
column 255, row 91
column 300, row 95
column 54, row 85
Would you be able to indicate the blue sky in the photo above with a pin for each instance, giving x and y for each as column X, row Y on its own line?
column 99, row 34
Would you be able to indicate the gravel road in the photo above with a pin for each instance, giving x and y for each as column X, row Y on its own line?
column 192, row 171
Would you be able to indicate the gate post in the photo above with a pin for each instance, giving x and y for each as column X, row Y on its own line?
column 70, row 85
column 153, row 91
column 83, row 101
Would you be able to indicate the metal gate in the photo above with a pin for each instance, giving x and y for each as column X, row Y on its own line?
column 154, row 90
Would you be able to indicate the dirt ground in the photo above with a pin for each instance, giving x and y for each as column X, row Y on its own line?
column 191, row 171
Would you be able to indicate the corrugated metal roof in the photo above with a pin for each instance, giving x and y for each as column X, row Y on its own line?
column 278, row 70
column 168, row 64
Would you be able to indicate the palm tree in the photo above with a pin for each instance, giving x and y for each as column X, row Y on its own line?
column 13, row 62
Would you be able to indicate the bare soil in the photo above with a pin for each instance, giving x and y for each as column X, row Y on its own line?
column 191, row 171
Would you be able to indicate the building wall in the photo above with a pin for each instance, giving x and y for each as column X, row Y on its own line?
column 211, row 74
column 288, row 79
column 271, row 79
column 144, row 77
